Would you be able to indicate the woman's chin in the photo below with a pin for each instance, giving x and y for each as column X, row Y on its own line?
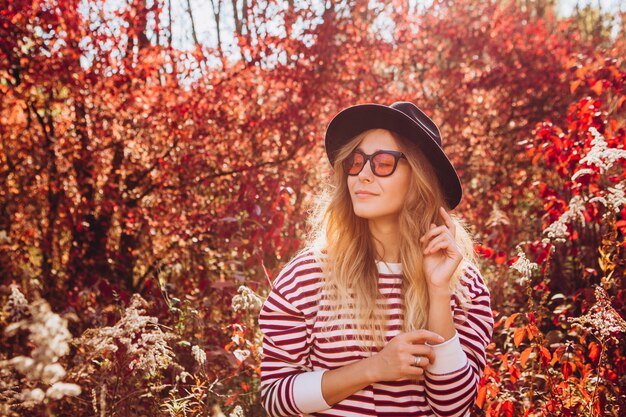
column 371, row 214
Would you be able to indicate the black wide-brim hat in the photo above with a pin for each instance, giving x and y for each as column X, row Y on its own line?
column 405, row 119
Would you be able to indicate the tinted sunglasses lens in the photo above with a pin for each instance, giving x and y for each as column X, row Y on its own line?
column 353, row 164
column 384, row 164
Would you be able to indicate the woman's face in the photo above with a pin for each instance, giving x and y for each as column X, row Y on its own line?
column 379, row 198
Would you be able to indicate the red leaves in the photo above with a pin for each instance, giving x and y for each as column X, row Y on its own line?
column 501, row 258
column 594, row 352
column 484, row 251
column 481, row 396
column 509, row 321
column 545, row 355
column 519, row 335
column 567, row 368
column 525, row 355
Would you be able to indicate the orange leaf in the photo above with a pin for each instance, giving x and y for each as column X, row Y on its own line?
column 594, row 351
column 545, row 355
column 482, row 394
column 573, row 86
column 557, row 354
column 567, row 370
column 514, row 373
column 519, row 335
column 508, row 408
column 509, row 322
column 597, row 87
column 524, row 356
column 501, row 257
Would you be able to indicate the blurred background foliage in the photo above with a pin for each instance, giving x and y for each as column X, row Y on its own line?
column 158, row 159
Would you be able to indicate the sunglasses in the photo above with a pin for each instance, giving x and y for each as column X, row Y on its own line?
column 382, row 163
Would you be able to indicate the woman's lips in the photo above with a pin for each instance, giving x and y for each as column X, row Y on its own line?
column 364, row 194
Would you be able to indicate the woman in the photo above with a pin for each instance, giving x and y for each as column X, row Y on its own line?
column 384, row 313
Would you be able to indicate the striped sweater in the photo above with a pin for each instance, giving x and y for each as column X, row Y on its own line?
column 299, row 345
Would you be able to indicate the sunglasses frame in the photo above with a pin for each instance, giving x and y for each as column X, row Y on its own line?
column 397, row 155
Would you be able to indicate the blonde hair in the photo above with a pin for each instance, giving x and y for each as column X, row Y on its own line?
column 346, row 248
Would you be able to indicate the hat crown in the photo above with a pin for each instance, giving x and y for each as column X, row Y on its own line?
column 416, row 115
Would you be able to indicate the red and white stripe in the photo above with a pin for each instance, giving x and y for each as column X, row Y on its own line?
column 299, row 345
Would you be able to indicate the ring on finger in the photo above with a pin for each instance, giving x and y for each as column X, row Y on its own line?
column 417, row 360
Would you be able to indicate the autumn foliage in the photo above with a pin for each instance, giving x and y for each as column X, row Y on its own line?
column 150, row 192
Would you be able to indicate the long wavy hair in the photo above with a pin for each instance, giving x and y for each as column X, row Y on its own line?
column 344, row 244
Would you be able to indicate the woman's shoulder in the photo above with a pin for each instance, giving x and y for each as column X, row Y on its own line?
column 303, row 272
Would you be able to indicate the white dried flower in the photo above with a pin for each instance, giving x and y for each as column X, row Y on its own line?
column 36, row 395
column 523, row 265
column 52, row 373
column 557, row 231
column 22, row 364
column 576, row 209
column 182, row 377
column 614, row 198
column 17, row 305
column 198, row 354
column 140, row 335
column 49, row 336
column 62, row 389
column 600, row 155
column 246, row 300
column 581, row 172
column 603, row 321
column 241, row 354
column 237, row 412
column 497, row 217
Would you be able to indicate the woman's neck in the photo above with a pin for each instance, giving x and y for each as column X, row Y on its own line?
column 386, row 235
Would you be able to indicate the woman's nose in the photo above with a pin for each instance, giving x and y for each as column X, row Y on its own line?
column 366, row 173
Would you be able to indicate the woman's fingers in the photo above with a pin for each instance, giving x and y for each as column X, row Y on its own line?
column 425, row 353
column 441, row 241
column 422, row 336
column 447, row 219
column 436, row 230
column 407, row 355
column 433, row 232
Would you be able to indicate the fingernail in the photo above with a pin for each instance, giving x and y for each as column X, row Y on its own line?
column 441, row 338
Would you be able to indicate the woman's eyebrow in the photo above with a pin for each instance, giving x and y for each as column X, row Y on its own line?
column 358, row 148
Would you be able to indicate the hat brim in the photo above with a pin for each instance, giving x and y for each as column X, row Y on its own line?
column 356, row 119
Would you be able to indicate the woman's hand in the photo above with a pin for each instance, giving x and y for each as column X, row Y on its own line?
column 442, row 255
column 405, row 356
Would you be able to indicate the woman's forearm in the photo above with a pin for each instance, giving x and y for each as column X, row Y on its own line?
column 440, row 318
column 397, row 360
column 341, row 383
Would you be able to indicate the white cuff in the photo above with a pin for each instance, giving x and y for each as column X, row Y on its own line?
column 307, row 392
column 449, row 357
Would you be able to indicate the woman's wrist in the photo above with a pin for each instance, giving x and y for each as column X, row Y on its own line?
column 340, row 383
column 439, row 293
column 440, row 316
column 369, row 366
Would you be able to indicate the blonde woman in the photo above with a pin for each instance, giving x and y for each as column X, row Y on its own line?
column 384, row 313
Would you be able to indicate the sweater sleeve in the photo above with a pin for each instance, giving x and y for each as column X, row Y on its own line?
column 289, row 386
column 453, row 393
